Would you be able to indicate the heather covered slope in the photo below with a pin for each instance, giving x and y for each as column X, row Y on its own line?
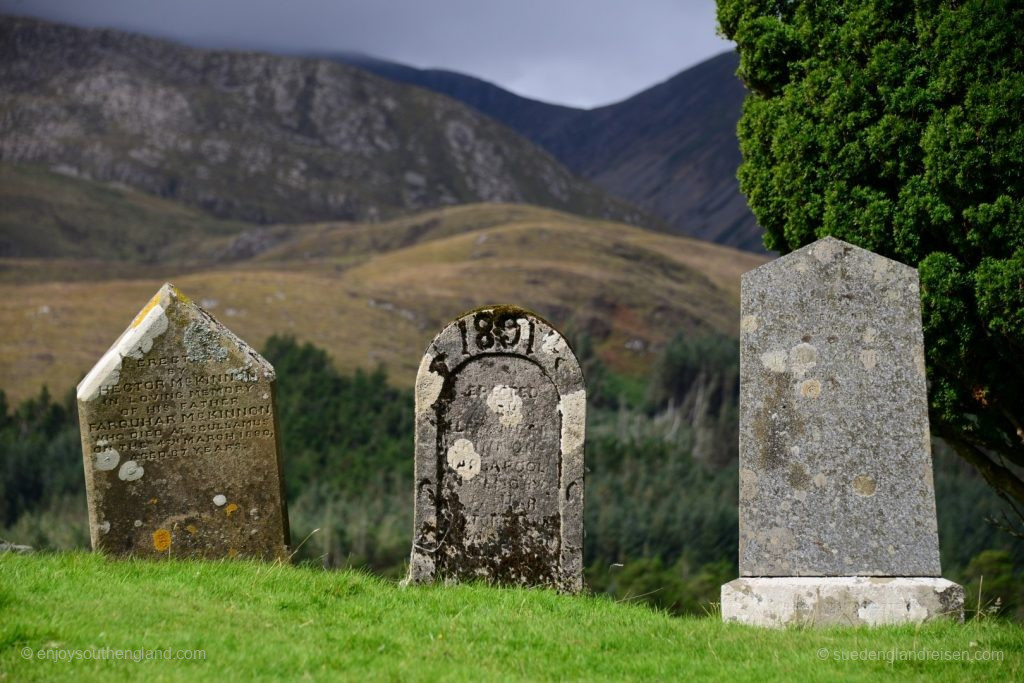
column 369, row 293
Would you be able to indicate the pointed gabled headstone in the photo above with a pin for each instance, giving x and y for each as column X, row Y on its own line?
column 500, row 422
column 835, row 457
column 836, row 504
column 180, row 440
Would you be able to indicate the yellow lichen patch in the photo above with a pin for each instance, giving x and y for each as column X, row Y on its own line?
column 232, row 552
column 180, row 295
column 230, row 509
column 154, row 501
column 864, row 485
column 149, row 307
column 161, row 540
column 191, row 528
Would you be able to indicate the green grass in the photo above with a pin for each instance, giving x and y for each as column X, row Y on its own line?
column 257, row 621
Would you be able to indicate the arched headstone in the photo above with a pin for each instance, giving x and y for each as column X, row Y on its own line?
column 500, row 423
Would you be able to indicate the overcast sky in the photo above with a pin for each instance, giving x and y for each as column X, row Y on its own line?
column 578, row 52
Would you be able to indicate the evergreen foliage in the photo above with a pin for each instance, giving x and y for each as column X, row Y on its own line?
column 897, row 126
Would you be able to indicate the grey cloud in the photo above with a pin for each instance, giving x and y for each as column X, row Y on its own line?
column 580, row 52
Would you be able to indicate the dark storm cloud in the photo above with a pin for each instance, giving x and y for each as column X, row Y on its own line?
column 582, row 52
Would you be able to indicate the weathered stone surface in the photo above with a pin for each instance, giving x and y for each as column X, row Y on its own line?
column 835, row 459
column 840, row 601
column 180, row 440
column 500, row 420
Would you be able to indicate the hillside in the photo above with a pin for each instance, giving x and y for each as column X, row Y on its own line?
column 369, row 293
column 249, row 621
column 44, row 214
column 532, row 119
column 671, row 149
column 260, row 138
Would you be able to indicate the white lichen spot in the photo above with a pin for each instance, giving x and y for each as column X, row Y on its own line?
column 154, row 324
column 463, row 458
column 826, row 249
column 573, row 409
column 748, row 323
column 810, row 388
column 107, row 460
column 748, row 484
column 800, row 495
column 780, row 537
column 134, row 342
column 505, row 402
column 130, row 471
column 880, row 269
column 802, row 358
column 220, row 499
column 774, row 360
column 138, row 523
column 870, row 335
column 869, row 358
column 104, row 527
column 553, row 343
column 428, row 385
column 820, row 480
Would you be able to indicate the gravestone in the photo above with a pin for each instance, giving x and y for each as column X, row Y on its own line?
column 180, row 440
column 500, row 421
column 835, row 455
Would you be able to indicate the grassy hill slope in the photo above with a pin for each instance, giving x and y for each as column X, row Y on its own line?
column 48, row 214
column 256, row 622
column 377, row 293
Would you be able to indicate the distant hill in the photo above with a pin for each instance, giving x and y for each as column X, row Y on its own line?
column 261, row 138
column 367, row 292
column 530, row 118
column 671, row 149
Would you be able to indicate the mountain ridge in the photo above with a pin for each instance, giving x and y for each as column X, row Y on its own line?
column 258, row 137
column 670, row 149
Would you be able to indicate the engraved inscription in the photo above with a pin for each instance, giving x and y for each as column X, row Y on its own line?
column 517, row 485
column 497, row 331
column 180, row 414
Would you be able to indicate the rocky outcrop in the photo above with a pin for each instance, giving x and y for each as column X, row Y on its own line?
column 258, row 137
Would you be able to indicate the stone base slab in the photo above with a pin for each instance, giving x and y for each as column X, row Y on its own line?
column 840, row 600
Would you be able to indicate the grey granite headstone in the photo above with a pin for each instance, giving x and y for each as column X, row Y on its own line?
column 500, row 421
column 835, row 457
column 180, row 440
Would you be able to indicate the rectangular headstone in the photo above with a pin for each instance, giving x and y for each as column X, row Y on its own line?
column 180, row 440
column 835, row 457
column 500, row 421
